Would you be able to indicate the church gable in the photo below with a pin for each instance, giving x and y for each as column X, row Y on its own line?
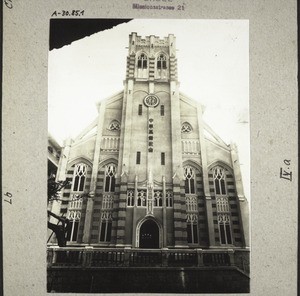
column 151, row 174
column 115, row 102
column 217, row 152
column 84, row 147
column 187, row 106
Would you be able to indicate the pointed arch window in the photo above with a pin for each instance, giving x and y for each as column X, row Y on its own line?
column 169, row 199
column 72, row 232
column 225, row 229
column 222, row 204
column 110, row 178
column 219, row 180
column 192, row 228
column 142, row 61
column 189, row 176
column 114, row 125
column 107, row 202
column 130, row 198
column 79, row 177
column 186, row 128
column 191, row 203
column 157, row 198
column 141, row 198
column 161, row 62
column 105, row 226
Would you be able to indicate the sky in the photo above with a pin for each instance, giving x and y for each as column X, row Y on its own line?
column 213, row 68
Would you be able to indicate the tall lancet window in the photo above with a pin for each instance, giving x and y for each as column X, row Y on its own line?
column 158, row 198
column 192, row 228
column 224, row 228
column 130, row 198
column 189, row 176
column 74, row 217
column 142, row 66
column 141, row 198
column 79, row 177
column 110, row 178
column 161, row 62
column 161, row 67
column 105, row 226
column 142, row 62
column 169, row 199
column 106, row 218
column 219, row 180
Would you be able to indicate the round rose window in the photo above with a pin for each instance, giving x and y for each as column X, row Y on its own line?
column 151, row 101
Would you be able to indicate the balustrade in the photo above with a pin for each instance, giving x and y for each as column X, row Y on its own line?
column 145, row 258
column 114, row 257
column 108, row 258
column 182, row 258
column 216, row 259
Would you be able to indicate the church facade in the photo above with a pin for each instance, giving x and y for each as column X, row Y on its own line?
column 149, row 173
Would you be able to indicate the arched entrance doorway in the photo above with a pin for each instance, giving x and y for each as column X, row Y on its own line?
column 149, row 235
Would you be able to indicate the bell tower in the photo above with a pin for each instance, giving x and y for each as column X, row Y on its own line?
column 151, row 138
column 152, row 59
column 151, row 96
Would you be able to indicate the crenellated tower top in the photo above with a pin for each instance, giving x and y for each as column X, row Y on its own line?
column 152, row 58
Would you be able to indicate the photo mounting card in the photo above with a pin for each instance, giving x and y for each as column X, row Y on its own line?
column 157, row 116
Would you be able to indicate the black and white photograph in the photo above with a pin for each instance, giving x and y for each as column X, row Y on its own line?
column 148, row 156
column 149, row 147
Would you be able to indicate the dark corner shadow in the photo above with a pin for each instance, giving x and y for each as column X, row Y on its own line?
column 65, row 31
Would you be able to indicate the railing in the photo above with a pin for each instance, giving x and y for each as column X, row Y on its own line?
column 184, row 258
column 145, row 258
column 115, row 257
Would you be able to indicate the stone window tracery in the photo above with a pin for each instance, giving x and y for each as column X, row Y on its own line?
column 108, row 201
column 161, row 62
column 151, row 100
column 142, row 61
column 169, row 199
column 79, row 177
column 110, row 178
column 141, row 198
column 219, row 180
column 130, row 198
column 161, row 67
column 192, row 228
column 74, row 217
column 189, row 176
column 222, row 204
column 186, row 128
column 225, row 229
column 157, row 198
column 114, row 125
column 105, row 226
column 142, row 66
column 191, row 203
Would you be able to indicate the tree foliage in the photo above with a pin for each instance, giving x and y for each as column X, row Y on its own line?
column 54, row 188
